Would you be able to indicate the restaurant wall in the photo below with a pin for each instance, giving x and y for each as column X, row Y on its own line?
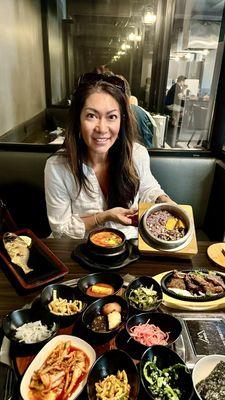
column 55, row 14
column 22, row 86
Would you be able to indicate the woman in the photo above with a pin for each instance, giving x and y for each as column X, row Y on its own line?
column 101, row 173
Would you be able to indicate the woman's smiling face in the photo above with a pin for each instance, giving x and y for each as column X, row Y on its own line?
column 100, row 122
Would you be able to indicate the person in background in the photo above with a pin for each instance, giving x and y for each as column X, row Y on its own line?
column 101, row 173
column 174, row 99
column 176, row 92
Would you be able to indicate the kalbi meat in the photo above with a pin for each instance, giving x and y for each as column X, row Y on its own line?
column 216, row 280
column 197, row 283
column 190, row 285
column 205, row 286
column 177, row 283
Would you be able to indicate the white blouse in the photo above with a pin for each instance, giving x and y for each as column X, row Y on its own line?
column 65, row 208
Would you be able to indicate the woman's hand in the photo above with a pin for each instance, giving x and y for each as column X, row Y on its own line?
column 124, row 216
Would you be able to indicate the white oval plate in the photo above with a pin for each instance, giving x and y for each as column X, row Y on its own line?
column 43, row 355
column 204, row 367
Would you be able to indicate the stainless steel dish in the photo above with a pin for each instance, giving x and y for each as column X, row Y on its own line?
column 168, row 244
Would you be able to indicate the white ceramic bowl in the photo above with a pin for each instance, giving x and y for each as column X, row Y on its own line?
column 43, row 355
column 177, row 212
column 204, row 367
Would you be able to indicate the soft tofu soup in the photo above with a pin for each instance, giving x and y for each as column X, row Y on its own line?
column 106, row 239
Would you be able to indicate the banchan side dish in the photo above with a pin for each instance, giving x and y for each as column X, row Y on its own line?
column 100, row 284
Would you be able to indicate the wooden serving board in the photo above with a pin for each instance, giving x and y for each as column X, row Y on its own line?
column 187, row 252
column 216, row 253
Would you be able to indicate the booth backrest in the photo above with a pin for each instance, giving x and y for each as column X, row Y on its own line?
column 22, row 188
column 187, row 180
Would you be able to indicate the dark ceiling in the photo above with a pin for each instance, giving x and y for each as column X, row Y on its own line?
column 100, row 27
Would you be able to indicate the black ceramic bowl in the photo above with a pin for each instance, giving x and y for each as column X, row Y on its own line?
column 148, row 282
column 111, row 278
column 110, row 363
column 65, row 292
column 20, row 317
column 95, row 309
column 107, row 249
column 166, row 322
column 165, row 357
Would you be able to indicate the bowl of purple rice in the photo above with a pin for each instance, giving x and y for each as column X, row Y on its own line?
column 167, row 226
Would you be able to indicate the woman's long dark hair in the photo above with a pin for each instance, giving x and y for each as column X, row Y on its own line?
column 123, row 177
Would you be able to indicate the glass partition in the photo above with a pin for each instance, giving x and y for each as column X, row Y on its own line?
column 194, row 66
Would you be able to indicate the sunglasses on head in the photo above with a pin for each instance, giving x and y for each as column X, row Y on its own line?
column 92, row 77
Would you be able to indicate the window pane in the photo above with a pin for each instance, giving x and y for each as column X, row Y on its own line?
column 118, row 34
column 194, row 65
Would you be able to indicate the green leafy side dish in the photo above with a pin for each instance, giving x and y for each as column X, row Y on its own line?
column 143, row 298
column 163, row 383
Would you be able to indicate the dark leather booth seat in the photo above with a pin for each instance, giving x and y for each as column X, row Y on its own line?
column 22, row 188
column 187, row 180
column 199, row 182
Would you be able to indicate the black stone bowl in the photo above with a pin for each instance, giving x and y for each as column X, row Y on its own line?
column 98, row 251
column 166, row 322
column 65, row 292
column 17, row 318
column 95, row 309
column 165, row 357
column 166, row 279
column 111, row 278
column 110, row 363
column 148, row 282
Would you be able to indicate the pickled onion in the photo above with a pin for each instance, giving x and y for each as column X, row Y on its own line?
column 149, row 334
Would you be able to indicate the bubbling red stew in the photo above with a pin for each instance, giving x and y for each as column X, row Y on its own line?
column 106, row 239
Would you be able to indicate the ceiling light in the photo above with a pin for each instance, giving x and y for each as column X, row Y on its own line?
column 125, row 46
column 131, row 37
column 149, row 18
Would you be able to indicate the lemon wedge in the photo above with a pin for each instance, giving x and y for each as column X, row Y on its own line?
column 26, row 239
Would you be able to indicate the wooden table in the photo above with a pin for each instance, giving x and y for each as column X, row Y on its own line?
column 146, row 265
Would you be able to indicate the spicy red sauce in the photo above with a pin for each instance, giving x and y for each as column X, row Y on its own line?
column 80, row 379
